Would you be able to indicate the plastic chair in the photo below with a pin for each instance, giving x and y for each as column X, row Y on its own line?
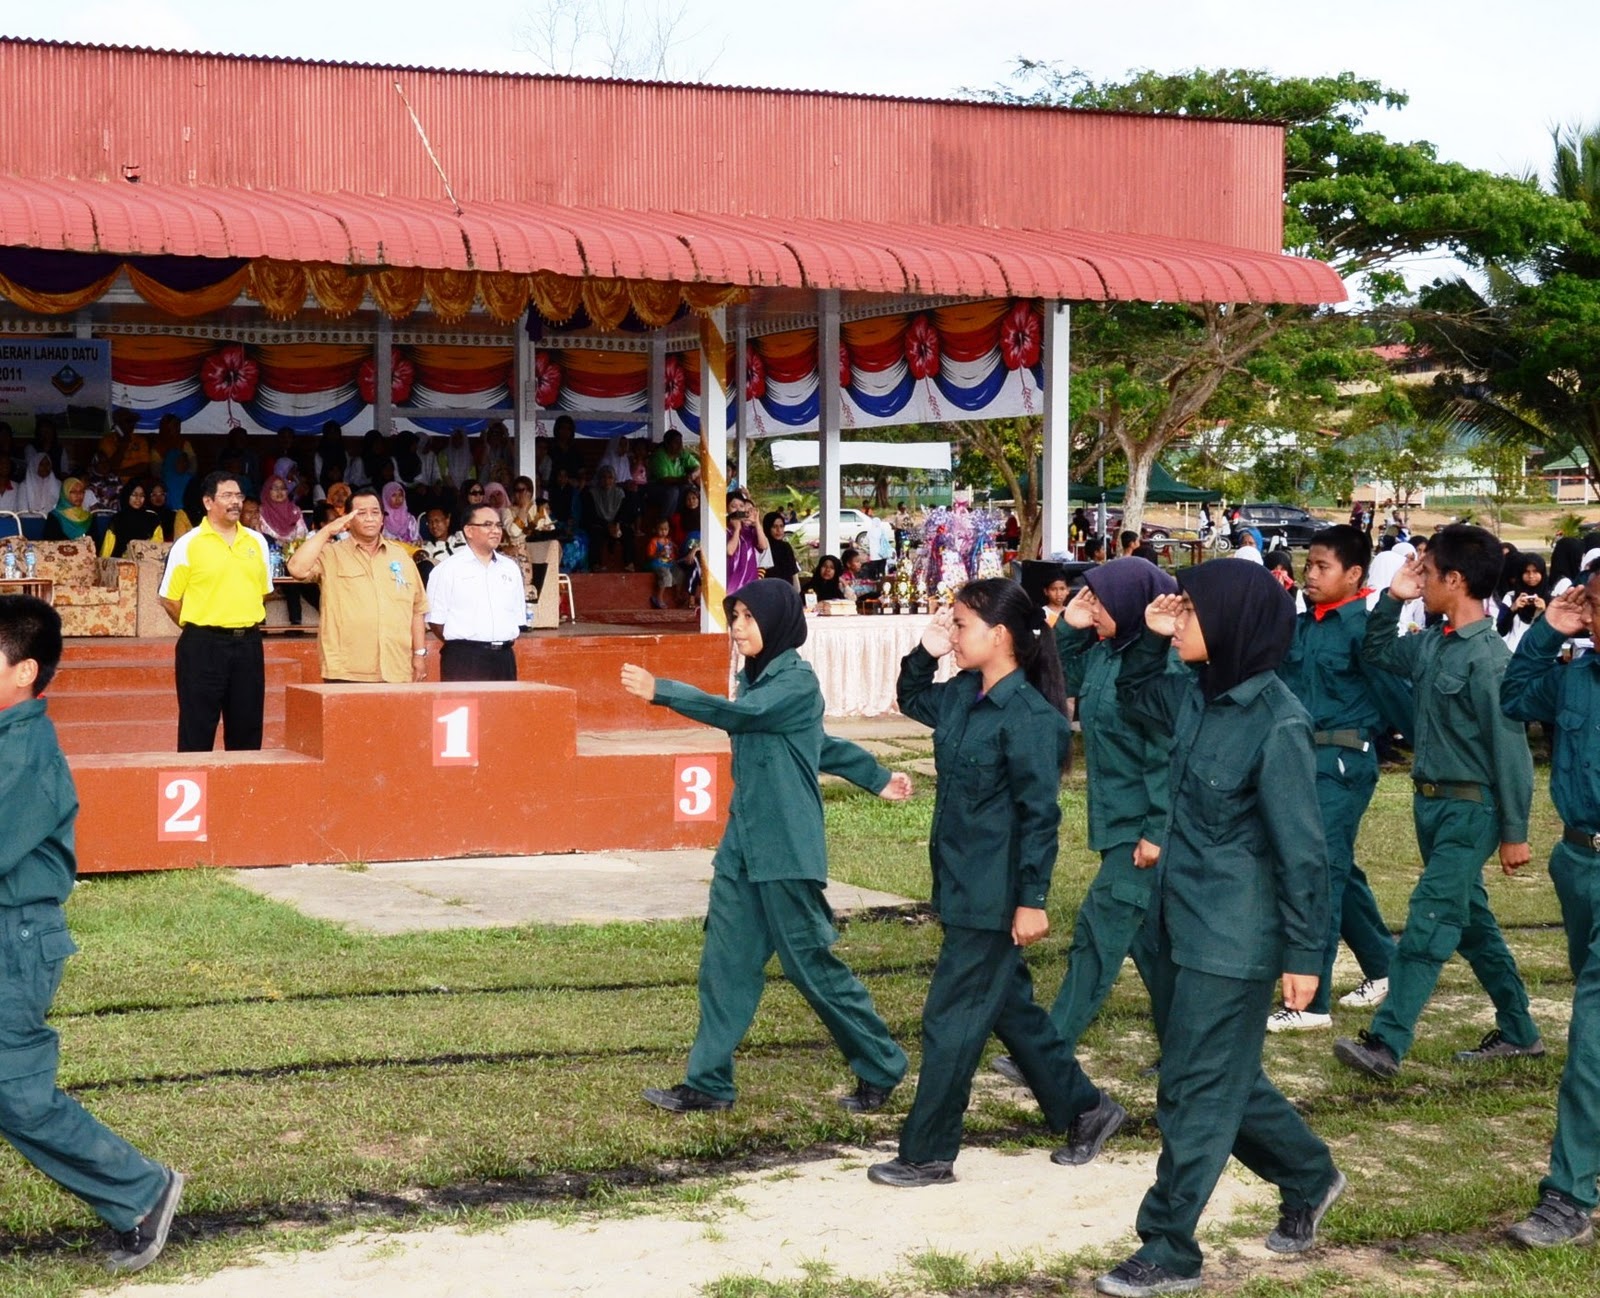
column 564, row 591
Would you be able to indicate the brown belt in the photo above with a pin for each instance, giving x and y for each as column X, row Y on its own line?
column 1577, row 838
column 1340, row 739
column 1448, row 789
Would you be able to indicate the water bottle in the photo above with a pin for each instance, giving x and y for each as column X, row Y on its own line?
column 30, row 560
column 11, row 564
column 274, row 561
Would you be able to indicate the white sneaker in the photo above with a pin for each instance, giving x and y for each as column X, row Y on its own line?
column 1372, row 992
column 1298, row 1021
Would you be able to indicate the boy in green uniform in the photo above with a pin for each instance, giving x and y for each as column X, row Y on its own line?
column 772, row 864
column 1566, row 697
column 1241, row 908
column 1474, row 783
column 1349, row 701
column 1127, row 787
column 133, row 1195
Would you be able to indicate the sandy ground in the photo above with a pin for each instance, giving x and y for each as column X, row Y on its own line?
column 771, row 1224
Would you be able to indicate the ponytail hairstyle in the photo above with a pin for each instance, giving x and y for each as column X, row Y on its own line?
column 1004, row 603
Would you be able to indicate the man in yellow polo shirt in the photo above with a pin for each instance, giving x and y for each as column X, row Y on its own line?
column 213, row 587
column 373, row 603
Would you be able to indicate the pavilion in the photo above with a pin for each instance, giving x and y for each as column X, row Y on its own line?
column 274, row 242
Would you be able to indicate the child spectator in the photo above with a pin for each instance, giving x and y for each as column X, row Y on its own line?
column 660, row 556
column 1243, row 899
column 1000, row 738
column 1473, row 777
column 133, row 1195
column 440, row 543
column 772, row 864
column 1538, row 686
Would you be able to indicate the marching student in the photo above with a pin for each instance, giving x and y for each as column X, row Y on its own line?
column 1000, row 740
column 1242, row 899
column 1538, row 686
column 1350, row 703
column 1127, row 787
column 1473, row 778
column 772, row 864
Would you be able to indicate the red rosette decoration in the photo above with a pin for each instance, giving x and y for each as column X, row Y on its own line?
column 1021, row 337
column 755, row 374
column 922, row 348
column 547, row 378
column 229, row 375
column 402, row 375
column 677, row 384
column 846, row 370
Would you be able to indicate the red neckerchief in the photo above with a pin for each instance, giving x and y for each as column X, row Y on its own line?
column 1320, row 611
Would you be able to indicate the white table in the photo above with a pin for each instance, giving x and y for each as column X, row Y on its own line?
column 857, row 660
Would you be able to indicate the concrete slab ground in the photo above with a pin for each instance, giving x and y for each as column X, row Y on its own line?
column 504, row 891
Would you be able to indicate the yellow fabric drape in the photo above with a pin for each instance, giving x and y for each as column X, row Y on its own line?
column 449, row 356
column 606, row 301
column 280, row 287
column 708, row 297
column 965, row 317
column 162, row 347
column 655, row 302
column 200, row 301
column 868, row 333
column 504, row 295
column 451, row 292
column 557, row 297
column 337, row 289
column 396, row 289
column 55, row 303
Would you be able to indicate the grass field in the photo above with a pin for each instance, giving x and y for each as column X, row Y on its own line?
column 308, row 1079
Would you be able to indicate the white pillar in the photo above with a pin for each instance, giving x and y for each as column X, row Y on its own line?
column 713, row 473
column 383, row 396
column 830, row 410
column 1056, row 487
column 741, row 342
column 526, row 400
column 658, row 388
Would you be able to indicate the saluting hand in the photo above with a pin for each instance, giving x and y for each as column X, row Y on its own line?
column 936, row 635
column 1161, row 615
column 898, row 789
column 1569, row 613
column 1407, row 583
column 638, row 682
column 1079, row 612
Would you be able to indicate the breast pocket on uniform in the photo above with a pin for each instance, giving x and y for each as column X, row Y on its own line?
column 1223, row 795
column 980, row 773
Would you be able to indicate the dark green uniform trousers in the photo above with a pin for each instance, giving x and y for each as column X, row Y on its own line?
column 1110, row 918
column 981, row 986
column 1449, row 912
column 1213, row 1100
column 1575, row 1152
column 745, row 924
column 48, row 1128
column 1342, row 798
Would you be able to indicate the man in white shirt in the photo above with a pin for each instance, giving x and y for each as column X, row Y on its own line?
column 477, row 604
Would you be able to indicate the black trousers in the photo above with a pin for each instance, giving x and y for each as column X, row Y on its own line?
column 468, row 660
column 221, row 676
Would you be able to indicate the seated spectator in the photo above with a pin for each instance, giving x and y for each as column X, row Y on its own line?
column 1094, row 549
column 69, row 520
column 850, row 563
column 338, row 500
column 670, row 470
column 565, row 507
column 564, row 452
column 126, row 449
column 271, row 464
column 281, row 519
column 825, row 581
column 250, row 513
column 40, row 490
column 784, row 567
column 498, row 461
column 8, row 488
column 440, row 541
column 602, row 512
column 399, row 524
column 134, row 521
column 102, row 486
column 156, row 498
column 407, row 460
column 1280, row 563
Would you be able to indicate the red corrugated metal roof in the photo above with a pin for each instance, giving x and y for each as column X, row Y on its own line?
column 362, row 230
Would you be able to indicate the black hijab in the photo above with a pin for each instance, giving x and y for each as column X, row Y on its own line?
column 1246, row 617
column 1125, row 587
column 1566, row 559
column 828, row 587
column 130, row 524
column 778, row 611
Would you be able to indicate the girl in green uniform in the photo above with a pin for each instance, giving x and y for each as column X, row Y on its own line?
column 772, row 864
column 1000, row 739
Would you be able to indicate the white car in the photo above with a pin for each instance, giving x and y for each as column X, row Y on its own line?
column 855, row 529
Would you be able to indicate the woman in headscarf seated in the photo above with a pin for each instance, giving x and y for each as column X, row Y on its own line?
column 399, row 524
column 39, row 490
column 69, row 520
column 825, row 581
column 281, row 519
column 133, row 521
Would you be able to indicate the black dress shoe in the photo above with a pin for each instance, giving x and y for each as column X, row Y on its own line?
column 684, row 1098
column 1089, row 1132
column 910, row 1176
column 1366, row 1054
column 866, row 1098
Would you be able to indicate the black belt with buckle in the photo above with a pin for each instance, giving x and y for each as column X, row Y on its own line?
column 223, row 630
column 1577, row 838
column 1340, row 739
column 1449, row 789
column 483, row 644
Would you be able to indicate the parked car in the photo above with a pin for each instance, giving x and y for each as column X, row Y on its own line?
column 1297, row 526
column 1147, row 531
column 853, row 530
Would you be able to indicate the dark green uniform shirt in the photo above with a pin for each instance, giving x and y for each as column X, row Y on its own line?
column 775, row 725
column 1127, row 763
column 38, row 807
column 998, row 757
column 1462, row 737
column 1339, row 688
column 1538, row 686
column 1243, row 875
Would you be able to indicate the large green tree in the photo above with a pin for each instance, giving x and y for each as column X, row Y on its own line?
column 1352, row 197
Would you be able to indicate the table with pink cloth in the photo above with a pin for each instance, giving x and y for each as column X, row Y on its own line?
column 857, row 659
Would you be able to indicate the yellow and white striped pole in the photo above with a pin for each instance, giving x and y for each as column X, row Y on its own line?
column 713, row 471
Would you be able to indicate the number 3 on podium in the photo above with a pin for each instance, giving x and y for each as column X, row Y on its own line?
column 694, row 789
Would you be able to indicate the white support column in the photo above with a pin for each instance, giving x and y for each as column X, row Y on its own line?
column 383, row 393
column 741, row 343
column 658, row 388
column 1056, row 487
column 526, row 400
column 829, row 416
column 713, row 473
